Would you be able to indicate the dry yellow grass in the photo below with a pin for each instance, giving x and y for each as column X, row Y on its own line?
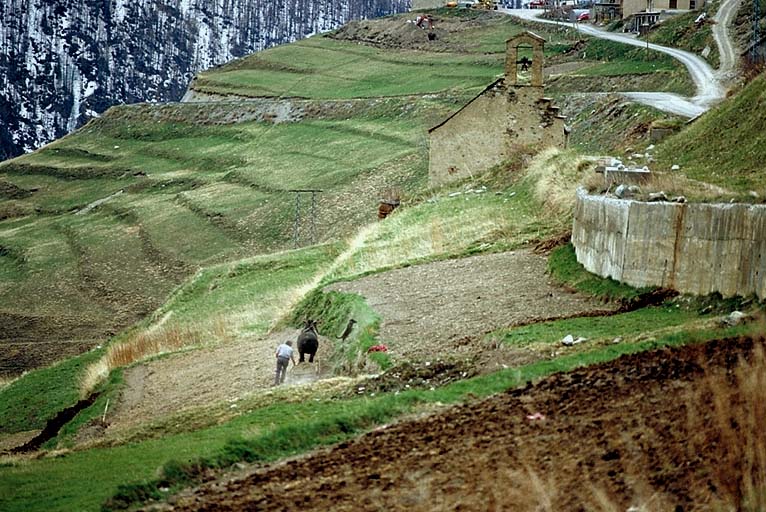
column 168, row 337
column 556, row 175
column 739, row 410
column 6, row 381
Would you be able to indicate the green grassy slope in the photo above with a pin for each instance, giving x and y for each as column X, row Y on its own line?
column 468, row 57
column 163, row 190
column 725, row 146
column 680, row 32
column 323, row 67
column 180, row 196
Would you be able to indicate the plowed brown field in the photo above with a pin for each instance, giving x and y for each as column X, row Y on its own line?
column 665, row 430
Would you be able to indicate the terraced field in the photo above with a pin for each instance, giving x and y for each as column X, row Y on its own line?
column 159, row 240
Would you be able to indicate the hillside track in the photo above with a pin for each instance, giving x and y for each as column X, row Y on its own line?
column 634, row 431
column 710, row 89
column 727, row 49
column 435, row 310
column 199, row 378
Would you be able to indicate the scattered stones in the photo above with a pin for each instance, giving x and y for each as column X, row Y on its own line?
column 753, row 194
column 570, row 340
column 624, row 191
column 621, row 191
column 675, row 167
column 428, row 374
column 679, row 199
column 734, row 318
column 657, row 196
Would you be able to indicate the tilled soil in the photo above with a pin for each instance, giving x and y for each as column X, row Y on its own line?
column 446, row 307
column 208, row 376
column 429, row 311
column 30, row 341
column 633, row 432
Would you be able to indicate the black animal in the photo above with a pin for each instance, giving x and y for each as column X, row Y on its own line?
column 308, row 341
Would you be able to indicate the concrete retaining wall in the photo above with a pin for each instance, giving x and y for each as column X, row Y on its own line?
column 692, row 248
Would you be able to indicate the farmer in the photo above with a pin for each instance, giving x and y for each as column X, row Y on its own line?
column 284, row 354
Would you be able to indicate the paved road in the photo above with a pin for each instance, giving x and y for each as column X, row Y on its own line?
column 708, row 82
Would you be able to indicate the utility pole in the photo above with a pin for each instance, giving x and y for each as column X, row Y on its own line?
column 312, row 215
column 646, row 24
column 647, row 37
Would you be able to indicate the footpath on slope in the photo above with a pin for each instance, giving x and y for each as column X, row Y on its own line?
column 206, row 376
column 634, row 433
column 434, row 310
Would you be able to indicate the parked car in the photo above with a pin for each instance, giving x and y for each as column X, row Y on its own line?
column 584, row 16
column 537, row 4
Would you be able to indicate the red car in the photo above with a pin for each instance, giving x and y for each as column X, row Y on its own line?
column 584, row 16
column 537, row 4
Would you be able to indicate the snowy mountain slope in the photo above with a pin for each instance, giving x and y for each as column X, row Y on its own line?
column 64, row 61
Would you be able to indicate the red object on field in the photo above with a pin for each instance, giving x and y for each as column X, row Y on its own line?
column 584, row 16
column 378, row 348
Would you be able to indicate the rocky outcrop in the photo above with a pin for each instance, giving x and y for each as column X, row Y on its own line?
column 64, row 62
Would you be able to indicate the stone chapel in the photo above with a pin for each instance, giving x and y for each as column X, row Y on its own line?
column 509, row 114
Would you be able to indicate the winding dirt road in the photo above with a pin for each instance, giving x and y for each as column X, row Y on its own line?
column 709, row 83
column 726, row 48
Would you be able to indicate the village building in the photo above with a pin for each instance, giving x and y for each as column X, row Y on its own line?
column 510, row 114
column 645, row 11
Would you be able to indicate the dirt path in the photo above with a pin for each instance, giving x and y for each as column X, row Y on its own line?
column 205, row 377
column 438, row 309
column 728, row 54
column 445, row 307
column 632, row 434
